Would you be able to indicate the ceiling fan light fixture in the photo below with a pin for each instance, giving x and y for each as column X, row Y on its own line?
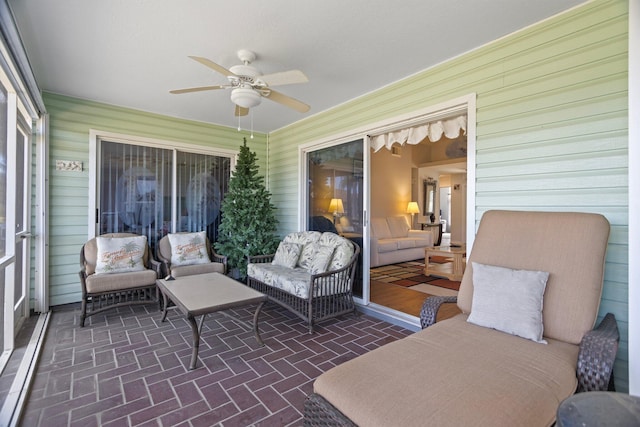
column 245, row 97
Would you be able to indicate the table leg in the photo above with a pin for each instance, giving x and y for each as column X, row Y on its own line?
column 255, row 324
column 196, row 341
column 164, row 308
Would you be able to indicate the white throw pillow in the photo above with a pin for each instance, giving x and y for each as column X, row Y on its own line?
column 120, row 254
column 188, row 248
column 287, row 254
column 509, row 300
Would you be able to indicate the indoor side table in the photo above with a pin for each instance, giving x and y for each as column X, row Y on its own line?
column 201, row 294
column 452, row 271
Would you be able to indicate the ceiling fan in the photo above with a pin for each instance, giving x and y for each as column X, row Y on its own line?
column 249, row 86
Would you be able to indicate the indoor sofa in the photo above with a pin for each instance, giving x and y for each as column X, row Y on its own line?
column 393, row 241
column 522, row 344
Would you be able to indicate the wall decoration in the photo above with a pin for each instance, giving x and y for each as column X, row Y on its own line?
column 69, row 165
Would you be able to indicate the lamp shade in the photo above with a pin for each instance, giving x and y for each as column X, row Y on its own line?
column 335, row 206
column 245, row 97
column 413, row 208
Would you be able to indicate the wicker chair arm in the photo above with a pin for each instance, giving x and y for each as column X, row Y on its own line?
column 597, row 354
column 258, row 259
column 430, row 309
column 222, row 259
column 156, row 266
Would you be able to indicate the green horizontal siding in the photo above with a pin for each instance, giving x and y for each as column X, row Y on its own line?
column 71, row 120
column 551, row 129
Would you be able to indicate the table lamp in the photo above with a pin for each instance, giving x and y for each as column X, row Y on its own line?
column 336, row 207
column 413, row 209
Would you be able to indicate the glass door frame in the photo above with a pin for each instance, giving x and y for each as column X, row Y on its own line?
column 96, row 136
column 465, row 104
column 303, row 209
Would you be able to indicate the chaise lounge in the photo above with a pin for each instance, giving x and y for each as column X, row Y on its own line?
column 523, row 343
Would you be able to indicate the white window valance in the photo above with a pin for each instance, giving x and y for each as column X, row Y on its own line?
column 413, row 135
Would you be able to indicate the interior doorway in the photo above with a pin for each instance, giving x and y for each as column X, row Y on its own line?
column 435, row 176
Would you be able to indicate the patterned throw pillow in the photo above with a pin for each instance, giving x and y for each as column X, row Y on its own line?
column 120, row 254
column 188, row 248
column 321, row 259
column 287, row 254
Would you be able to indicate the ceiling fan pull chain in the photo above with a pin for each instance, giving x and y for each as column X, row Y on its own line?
column 251, row 112
column 239, row 128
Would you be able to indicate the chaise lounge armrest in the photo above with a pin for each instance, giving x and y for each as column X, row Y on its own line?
column 597, row 354
column 430, row 309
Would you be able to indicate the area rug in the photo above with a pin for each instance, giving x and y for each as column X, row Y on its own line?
column 409, row 274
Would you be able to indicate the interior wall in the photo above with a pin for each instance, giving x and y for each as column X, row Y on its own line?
column 458, row 208
column 391, row 182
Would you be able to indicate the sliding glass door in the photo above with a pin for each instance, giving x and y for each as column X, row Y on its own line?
column 335, row 195
column 152, row 191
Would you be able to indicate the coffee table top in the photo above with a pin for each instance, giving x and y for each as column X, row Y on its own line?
column 206, row 293
column 447, row 249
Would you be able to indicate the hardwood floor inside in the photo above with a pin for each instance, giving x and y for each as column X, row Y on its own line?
column 406, row 300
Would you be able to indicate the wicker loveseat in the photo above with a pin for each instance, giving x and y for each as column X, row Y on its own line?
column 457, row 372
column 311, row 274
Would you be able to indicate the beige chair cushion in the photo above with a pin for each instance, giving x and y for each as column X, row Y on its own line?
column 97, row 283
column 570, row 246
column 189, row 270
column 426, row 377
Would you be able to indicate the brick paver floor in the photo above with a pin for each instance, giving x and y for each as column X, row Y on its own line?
column 125, row 368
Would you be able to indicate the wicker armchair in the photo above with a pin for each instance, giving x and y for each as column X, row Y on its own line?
column 313, row 297
column 109, row 290
column 217, row 264
column 497, row 377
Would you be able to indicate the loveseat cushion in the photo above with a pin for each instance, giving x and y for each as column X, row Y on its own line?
column 97, row 283
column 292, row 280
column 343, row 250
column 308, row 240
column 481, row 376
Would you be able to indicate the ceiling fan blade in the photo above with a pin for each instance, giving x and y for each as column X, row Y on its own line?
column 209, row 63
column 287, row 101
column 196, row 89
column 240, row 111
column 284, row 78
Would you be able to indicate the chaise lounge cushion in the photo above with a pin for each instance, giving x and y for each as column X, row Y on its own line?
column 506, row 371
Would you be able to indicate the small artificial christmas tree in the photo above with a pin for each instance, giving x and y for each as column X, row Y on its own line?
column 249, row 223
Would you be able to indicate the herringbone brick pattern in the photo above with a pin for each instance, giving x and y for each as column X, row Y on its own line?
column 125, row 368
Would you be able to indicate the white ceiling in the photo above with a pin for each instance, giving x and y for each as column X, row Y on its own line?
column 132, row 52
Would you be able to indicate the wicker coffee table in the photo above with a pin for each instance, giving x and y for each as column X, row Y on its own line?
column 201, row 294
